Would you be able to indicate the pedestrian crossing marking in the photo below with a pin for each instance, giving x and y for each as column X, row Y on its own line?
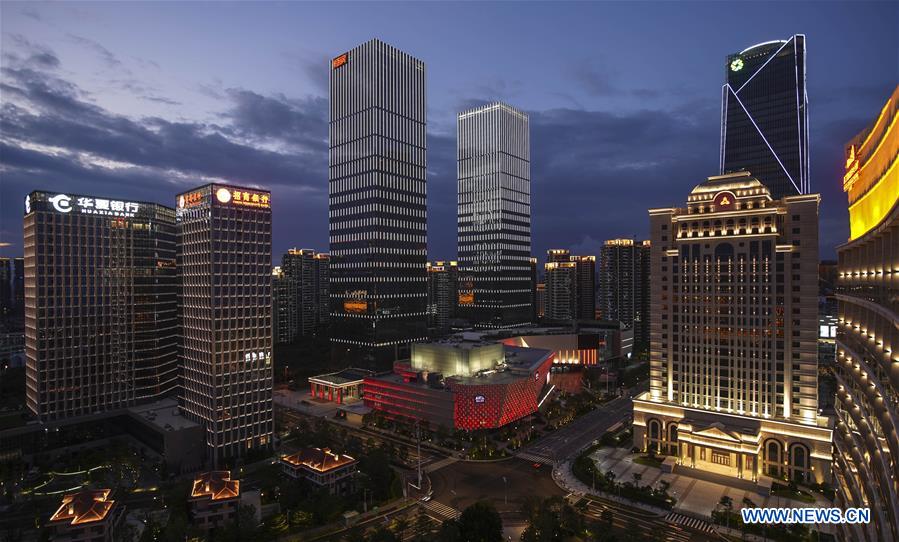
column 692, row 523
column 442, row 509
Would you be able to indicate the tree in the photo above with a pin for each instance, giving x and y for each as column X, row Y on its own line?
column 637, row 477
column 728, row 504
column 449, row 532
column 383, row 535
column 400, row 527
column 481, row 522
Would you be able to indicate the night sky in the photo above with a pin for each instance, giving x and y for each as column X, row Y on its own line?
column 143, row 101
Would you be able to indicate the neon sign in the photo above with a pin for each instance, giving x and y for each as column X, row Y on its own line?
column 339, row 61
column 479, row 399
column 243, row 197
column 852, row 169
column 64, row 203
column 736, row 65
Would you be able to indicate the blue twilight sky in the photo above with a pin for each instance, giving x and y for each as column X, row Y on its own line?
column 143, row 100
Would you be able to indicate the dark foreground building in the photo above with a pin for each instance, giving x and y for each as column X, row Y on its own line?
column 377, row 204
column 101, row 318
column 764, row 116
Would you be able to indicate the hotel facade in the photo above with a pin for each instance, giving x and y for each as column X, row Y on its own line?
column 733, row 366
column 225, row 304
column 494, row 217
column 866, row 436
column 101, row 306
column 377, row 203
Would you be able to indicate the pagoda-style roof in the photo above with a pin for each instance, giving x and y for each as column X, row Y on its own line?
column 217, row 485
column 86, row 506
column 318, row 459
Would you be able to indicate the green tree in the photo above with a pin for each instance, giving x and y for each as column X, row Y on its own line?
column 383, row 535
column 480, row 522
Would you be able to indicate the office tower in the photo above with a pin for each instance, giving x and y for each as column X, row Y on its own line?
column 623, row 281
column 283, row 304
column 867, row 343
column 304, row 273
column 225, row 304
column 443, row 295
column 101, row 319
column 764, row 116
column 733, row 368
column 494, row 215
column 18, row 287
column 377, row 204
column 570, row 286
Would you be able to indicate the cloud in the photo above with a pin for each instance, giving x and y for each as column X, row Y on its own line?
column 105, row 54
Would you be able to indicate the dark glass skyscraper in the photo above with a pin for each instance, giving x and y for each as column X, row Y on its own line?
column 377, row 203
column 225, row 303
column 494, row 216
column 101, row 308
column 764, row 116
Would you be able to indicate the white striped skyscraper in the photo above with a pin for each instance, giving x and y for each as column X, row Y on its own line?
column 377, row 203
column 494, row 216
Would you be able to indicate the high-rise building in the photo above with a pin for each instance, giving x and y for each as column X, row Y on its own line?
column 540, row 297
column 6, row 295
column 443, row 295
column 283, row 305
column 570, row 286
column 764, row 115
column 866, row 438
column 305, row 306
column 494, row 215
column 733, row 358
column 101, row 319
column 623, row 285
column 377, row 203
column 534, row 279
column 18, row 287
column 225, row 304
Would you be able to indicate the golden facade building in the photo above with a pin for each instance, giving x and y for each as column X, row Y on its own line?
column 733, row 335
column 866, row 435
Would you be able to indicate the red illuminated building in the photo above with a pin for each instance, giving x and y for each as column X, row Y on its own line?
column 463, row 385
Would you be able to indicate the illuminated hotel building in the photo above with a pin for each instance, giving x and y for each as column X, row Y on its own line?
column 224, row 262
column 764, row 116
column 866, row 437
column 734, row 325
column 377, row 203
column 101, row 307
column 624, row 286
column 443, row 294
column 494, row 216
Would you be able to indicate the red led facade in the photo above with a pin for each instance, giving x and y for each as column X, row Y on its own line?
column 466, row 403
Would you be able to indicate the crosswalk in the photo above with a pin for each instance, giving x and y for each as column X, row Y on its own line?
column 439, row 464
column 692, row 523
column 441, row 509
column 535, row 457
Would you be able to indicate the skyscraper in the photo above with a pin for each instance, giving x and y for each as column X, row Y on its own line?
column 283, row 305
column 867, row 343
column 764, row 115
column 733, row 360
column 377, row 203
column 101, row 318
column 623, row 283
column 443, row 295
column 224, row 262
column 6, row 295
column 494, row 215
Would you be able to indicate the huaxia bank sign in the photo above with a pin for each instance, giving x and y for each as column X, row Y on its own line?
column 89, row 205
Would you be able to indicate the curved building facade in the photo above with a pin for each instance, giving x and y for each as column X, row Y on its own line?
column 866, row 436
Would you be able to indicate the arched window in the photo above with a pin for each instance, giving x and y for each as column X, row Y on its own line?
column 654, row 435
column 773, row 458
column 672, row 439
column 799, row 463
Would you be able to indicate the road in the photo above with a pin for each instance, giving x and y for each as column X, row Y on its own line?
column 626, row 519
column 565, row 442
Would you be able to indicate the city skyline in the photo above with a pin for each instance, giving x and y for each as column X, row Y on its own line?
column 632, row 128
